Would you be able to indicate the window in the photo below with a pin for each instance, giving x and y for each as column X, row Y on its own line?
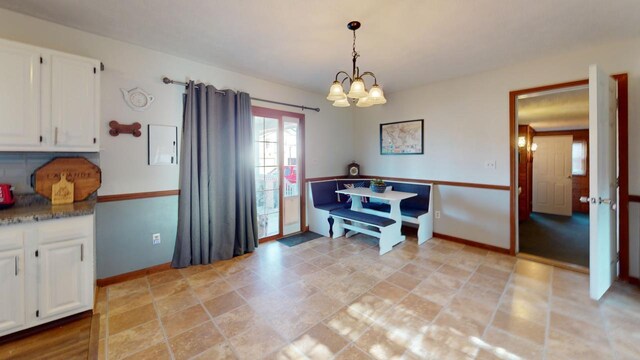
column 579, row 155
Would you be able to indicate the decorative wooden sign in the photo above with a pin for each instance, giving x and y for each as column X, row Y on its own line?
column 117, row 128
column 85, row 175
column 62, row 191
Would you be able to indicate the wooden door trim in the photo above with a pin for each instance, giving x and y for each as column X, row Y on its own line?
column 623, row 151
column 279, row 114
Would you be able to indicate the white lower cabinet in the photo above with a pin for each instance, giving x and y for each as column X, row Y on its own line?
column 12, row 281
column 50, row 276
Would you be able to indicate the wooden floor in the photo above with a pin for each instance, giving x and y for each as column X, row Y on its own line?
column 72, row 340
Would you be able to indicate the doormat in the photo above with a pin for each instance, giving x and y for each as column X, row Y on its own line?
column 297, row 239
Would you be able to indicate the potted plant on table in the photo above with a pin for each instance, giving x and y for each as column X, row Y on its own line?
column 378, row 186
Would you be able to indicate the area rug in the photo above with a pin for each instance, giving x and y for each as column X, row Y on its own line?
column 298, row 239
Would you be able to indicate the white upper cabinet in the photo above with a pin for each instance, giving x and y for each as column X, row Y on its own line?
column 51, row 101
column 73, row 101
column 19, row 96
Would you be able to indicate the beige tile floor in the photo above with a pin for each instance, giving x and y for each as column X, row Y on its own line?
column 339, row 299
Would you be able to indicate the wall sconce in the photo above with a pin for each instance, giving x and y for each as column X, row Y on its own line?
column 534, row 147
column 522, row 142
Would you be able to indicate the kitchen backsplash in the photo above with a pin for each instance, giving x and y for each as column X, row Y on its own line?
column 16, row 168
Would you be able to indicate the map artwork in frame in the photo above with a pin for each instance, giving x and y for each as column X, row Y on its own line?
column 402, row 138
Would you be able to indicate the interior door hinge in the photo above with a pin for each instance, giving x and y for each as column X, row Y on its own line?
column 94, row 140
column 37, row 313
column 40, row 138
column 101, row 67
column 95, row 71
column 41, row 60
column 37, row 253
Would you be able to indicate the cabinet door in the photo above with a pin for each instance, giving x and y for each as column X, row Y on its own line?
column 62, row 273
column 19, row 96
column 73, row 102
column 12, row 296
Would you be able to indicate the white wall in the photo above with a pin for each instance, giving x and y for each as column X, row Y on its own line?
column 123, row 159
column 467, row 124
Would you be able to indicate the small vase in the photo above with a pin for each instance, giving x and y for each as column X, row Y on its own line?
column 378, row 188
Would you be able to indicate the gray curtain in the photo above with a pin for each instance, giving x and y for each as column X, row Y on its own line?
column 217, row 217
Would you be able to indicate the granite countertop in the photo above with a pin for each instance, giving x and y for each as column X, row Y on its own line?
column 33, row 207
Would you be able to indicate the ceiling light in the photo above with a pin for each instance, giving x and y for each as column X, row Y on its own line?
column 357, row 86
column 344, row 102
column 522, row 141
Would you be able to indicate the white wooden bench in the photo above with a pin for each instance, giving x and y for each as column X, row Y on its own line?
column 360, row 223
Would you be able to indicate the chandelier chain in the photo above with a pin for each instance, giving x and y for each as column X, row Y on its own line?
column 354, row 54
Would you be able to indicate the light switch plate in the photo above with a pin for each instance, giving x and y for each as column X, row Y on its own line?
column 156, row 239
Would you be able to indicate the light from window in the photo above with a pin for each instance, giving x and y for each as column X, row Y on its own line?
column 579, row 155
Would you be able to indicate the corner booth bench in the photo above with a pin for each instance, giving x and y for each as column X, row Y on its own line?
column 327, row 203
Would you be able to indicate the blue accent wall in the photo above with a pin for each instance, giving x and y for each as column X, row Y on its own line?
column 124, row 232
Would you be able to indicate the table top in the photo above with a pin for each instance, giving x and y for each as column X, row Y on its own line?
column 388, row 195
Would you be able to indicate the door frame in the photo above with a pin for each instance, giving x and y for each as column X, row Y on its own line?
column 278, row 114
column 623, row 159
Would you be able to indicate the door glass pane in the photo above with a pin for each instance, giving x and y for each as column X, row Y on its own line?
column 291, row 176
column 267, row 175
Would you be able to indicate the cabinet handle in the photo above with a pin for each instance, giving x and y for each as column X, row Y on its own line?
column 81, row 252
column 55, row 136
column 16, row 260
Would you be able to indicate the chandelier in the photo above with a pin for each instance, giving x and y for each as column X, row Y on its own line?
column 357, row 87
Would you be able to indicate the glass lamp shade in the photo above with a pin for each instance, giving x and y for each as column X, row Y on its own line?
column 364, row 102
column 376, row 95
column 344, row 102
column 336, row 92
column 357, row 89
column 522, row 141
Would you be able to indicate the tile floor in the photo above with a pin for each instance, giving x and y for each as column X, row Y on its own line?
column 339, row 299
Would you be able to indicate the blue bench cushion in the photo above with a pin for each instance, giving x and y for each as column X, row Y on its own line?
column 333, row 206
column 376, row 220
column 352, row 182
column 420, row 202
column 324, row 193
column 404, row 210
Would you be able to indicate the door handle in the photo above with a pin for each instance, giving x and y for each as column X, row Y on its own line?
column 81, row 252
column 586, row 200
column 16, row 260
column 55, row 136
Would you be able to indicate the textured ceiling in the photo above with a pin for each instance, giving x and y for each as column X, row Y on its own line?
column 555, row 110
column 304, row 43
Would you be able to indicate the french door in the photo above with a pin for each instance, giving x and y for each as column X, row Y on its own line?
column 279, row 163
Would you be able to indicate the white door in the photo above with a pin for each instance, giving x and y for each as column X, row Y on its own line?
column 73, row 101
column 602, row 181
column 12, row 297
column 552, row 183
column 19, row 96
column 62, row 275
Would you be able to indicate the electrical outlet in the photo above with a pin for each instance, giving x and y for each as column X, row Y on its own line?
column 156, row 239
column 490, row 164
column 437, row 214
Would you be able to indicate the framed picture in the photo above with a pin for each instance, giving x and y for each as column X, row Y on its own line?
column 402, row 138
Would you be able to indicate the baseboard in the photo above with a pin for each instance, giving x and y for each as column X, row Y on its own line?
column 634, row 280
column 471, row 243
column 133, row 275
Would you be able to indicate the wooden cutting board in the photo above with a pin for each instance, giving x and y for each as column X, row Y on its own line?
column 85, row 175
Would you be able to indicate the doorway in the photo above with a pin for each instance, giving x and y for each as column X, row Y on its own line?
column 523, row 158
column 279, row 163
column 553, row 135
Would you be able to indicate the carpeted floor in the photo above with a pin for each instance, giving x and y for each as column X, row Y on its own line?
column 562, row 238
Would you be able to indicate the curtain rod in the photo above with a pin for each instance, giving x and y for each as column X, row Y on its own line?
column 166, row 80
